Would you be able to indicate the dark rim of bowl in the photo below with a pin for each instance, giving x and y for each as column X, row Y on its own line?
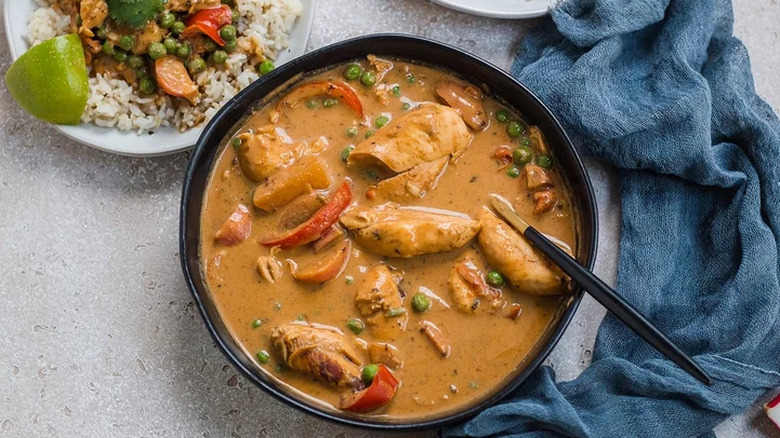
column 208, row 146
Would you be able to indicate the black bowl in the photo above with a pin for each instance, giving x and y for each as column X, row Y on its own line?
column 498, row 84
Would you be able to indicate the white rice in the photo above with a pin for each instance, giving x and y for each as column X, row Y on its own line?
column 263, row 27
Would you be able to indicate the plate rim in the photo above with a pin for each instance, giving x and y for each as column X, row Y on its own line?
column 79, row 133
column 475, row 10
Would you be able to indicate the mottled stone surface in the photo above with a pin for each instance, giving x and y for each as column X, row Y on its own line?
column 98, row 333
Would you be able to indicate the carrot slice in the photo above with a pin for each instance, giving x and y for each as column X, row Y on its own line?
column 173, row 78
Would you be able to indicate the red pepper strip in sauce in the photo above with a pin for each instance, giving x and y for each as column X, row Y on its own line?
column 380, row 393
column 209, row 21
column 340, row 91
column 313, row 228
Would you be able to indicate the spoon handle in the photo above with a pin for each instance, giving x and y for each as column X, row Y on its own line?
column 616, row 304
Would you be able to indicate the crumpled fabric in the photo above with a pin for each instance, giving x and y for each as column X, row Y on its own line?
column 663, row 91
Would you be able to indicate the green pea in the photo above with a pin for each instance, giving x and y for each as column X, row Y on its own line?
column 170, row 45
column 406, row 106
column 108, row 48
column 502, row 116
column 156, row 50
column 513, row 172
column 352, row 131
column 410, row 78
column 258, row 322
column 78, row 20
column 184, row 50
column 167, row 19
column 266, row 67
column 545, row 161
column 263, row 356
column 135, row 61
column 228, row 32
column 277, row 306
column 126, row 42
column 381, row 121
column 329, row 102
column 227, row 2
column 356, row 326
column 102, row 32
column 348, row 279
column 311, row 104
column 397, row 90
column 368, row 373
column 522, row 155
column 197, row 65
column 352, row 72
column 514, row 129
column 371, row 174
column 178, row 27
column 345, row 153
column 236, row 143
column 368, row 79
column 230, row 46
column 120, row 56
column 301, row 317
column 209, row 45
column 369, row 134
column 495, row 279
column 526, row 142
column 235, row 16
column 142, row 72
column 219, row 57
column 147, row 86
column 392, row 313
column 420, row 302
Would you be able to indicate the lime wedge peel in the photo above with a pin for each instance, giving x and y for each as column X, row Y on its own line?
column 50, row 80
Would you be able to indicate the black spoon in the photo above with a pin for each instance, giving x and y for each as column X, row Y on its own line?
column 600, row 291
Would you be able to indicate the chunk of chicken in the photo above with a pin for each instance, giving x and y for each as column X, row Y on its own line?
column 468, row 288
column 263, row 152
column 306, row 175
column 467, row 101
column 536, row 177
column 412, row 184
column 387, row 354
column 427, row 133
column 191, row 6
column 378, row 299
column 511, row 254
column 93, row 14
column 322, row 354
column 151, row 33
column 382, row 66
column 407, row 232
column 537, row 139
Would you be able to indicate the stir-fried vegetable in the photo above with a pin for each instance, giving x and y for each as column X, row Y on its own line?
column 339, row 91
column 211, row 22
column 381, row 391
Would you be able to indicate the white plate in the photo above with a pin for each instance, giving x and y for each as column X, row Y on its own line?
column 501, row 8
column 164, row 140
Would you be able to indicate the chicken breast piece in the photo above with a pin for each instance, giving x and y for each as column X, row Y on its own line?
column 322, row 354
column 468, row 289
column 467, row 101
column 306, row 175
column 407, row 232
column 378, row 299
column 511, row 254
column 93, row 14
column 412, row 184
column 263, row 152
column 427, row 133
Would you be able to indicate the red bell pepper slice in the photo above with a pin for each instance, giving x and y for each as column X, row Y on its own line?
column 380, row 393
column 209, row 21
column 773, row 411
column 313, row 228
column 340, row 91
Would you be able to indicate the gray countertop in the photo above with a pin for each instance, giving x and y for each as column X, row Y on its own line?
column 98, row 333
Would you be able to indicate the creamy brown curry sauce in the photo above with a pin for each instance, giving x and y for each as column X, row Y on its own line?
column 404, row 174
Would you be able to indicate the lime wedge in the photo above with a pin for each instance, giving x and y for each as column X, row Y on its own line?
column 50, row 80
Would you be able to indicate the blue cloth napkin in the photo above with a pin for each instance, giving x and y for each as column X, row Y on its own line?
column 663, row 91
